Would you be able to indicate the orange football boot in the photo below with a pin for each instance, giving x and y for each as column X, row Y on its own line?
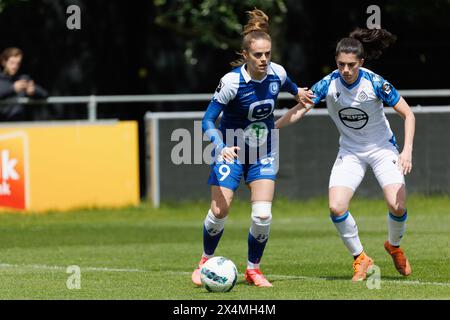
column 255, row 276
column 196, row 274
column 401, row 263
column 360, row 267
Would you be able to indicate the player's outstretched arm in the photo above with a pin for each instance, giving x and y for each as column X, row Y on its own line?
column 293, row 115
column 405, row 158
column 306, row 96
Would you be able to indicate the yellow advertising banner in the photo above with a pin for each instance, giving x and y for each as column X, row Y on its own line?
column 68, row 165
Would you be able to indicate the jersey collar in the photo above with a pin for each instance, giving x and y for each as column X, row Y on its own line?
column 354, row 84
column 247, row 76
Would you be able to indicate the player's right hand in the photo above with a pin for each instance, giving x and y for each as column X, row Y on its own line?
column 230, row 153
column 306, row 96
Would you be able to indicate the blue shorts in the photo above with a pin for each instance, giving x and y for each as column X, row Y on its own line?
column 229, row 175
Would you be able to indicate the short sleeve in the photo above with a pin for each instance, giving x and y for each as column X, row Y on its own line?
column 320, row 89
column 227, row 88
column 287, row 84
column 385, row 90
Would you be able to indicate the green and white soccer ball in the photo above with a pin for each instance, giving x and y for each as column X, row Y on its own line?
column 218, row 274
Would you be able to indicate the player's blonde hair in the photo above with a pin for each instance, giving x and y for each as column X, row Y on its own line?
column 256, row 28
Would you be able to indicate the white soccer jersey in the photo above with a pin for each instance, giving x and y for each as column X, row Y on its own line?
column 357, row 109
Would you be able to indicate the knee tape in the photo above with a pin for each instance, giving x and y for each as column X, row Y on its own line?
column 261, row 218
column 262, row 212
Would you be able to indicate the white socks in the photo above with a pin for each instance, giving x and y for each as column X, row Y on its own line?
column 212, row 232
column 251, row 265
column 396, row 228
column 214, row 225
column 346, row 226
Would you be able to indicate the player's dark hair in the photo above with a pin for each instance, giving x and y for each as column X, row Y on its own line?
column 256, row 28
column 366, row 43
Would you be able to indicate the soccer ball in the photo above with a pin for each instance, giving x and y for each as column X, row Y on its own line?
column 218, row 274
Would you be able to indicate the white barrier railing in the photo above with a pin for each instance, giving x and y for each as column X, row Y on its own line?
column 92, row 101
column 152, row 120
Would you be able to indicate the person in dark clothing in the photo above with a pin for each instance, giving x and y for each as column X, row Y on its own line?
column 16, row 85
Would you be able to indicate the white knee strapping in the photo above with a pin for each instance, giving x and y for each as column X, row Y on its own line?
column 261, row 218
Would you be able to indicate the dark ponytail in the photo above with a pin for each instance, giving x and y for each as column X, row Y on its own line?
column 366, row 43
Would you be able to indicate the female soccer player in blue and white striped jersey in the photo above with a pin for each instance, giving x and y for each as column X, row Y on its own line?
column 246, row 97
column 355, row 98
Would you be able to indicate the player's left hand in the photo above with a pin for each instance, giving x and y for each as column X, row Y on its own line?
column 405, row 161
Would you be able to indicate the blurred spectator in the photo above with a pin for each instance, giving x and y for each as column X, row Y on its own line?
column 15, row 85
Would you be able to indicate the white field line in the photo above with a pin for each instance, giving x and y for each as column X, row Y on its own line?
column 46, row 267
column 271, row 276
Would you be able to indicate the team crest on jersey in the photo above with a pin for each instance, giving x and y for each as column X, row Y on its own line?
column 274, row 87
column 353, row 118
column 362, row 96
column 220, row 86
column 387, row 87
column 256, row 134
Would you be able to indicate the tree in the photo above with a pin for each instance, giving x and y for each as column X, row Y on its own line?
column 5, row 3
column 214, row 22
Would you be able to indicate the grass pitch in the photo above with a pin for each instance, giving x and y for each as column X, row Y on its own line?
column 143, row 253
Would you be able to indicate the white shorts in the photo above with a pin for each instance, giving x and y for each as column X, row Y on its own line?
column 350, row 167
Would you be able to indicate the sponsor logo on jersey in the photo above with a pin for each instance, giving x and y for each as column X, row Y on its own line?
column 248, row 93
column 256, row 134
column 274, row 87
column 268, row 160
column 353, row 118
column 362, row 96
column 220, row 86
column 259, row 110
column 387, row 87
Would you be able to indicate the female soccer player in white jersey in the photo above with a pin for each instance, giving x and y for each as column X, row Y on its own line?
column 246, row 98
column 354, row 98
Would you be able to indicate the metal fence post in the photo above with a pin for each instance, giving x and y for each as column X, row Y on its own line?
column 152, row 158
column 92, row 108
